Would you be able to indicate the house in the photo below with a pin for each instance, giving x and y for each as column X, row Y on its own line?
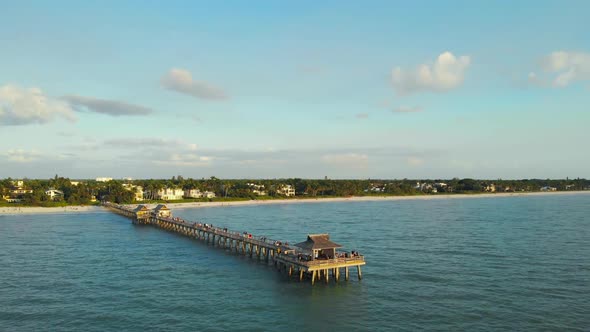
column 376, row 188
column 139, row 193
column 286, row 190
column 319, row 246
column 209, row 194
column 570, row 187
column 548, row 188
column 54, row 194
column 21, row 191
column 490, row 188
column 258, row 189
column 104, row 179
column 162, row 211
column 74, row 183
column 193, row 193
column 169, row 194
column 137, row 190
column 18, row 183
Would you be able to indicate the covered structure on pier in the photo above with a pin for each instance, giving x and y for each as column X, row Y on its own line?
column 319, row 246
column 141, row 212
column 162, row 211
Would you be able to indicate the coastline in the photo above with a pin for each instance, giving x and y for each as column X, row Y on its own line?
column 191, row 205
column 364, row 199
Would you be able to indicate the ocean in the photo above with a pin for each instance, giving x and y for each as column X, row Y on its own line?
column 469, row 264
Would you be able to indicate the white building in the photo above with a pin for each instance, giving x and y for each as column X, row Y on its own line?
column 197, row 193
column 193, row 193
column 53, row 193
column 170, row 194
column 18, row 183
column 547, row 188
column 258, row 189
column 103, row 179
column 286, row 190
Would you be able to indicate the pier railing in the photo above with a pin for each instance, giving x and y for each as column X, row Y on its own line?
column 322, row 261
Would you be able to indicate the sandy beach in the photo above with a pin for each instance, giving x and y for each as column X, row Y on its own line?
column 41, row 210
column 82, row 209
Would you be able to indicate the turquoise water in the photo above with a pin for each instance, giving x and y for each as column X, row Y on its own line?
column 518, row 263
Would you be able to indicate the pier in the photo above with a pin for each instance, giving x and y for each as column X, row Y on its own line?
column 315, row 259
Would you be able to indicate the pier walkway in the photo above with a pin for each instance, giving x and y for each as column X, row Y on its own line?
column 315, row 259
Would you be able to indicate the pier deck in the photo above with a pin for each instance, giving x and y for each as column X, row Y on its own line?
column 285, row 257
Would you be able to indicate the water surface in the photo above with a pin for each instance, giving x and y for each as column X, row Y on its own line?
column 510, row 263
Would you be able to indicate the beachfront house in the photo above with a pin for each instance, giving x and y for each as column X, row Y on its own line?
column 162, row 211
column 54, row 194
column 193, row 193
column 257, row 189
column 169, row 194
column 103, row 179
column 286, row 190
column 548, row 188
column 319, row 246
column 18, row 183
column 137, row 191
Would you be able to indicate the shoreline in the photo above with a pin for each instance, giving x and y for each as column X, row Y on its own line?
column 191, row 205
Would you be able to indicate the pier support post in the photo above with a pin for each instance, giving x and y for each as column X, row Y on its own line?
column 300, row 274
column 337, row 276
column 360, row 274
column 326, row 275
column 346, row 273
column 313, row 274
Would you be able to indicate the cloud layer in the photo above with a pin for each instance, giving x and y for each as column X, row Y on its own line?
column 22, row 156
column 568, row 67
column 445, row 74
column 181, row 81
column 406, row 109
column 20, row 106
column 105, row 106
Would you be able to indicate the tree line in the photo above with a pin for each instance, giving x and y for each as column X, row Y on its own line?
column 84, row 192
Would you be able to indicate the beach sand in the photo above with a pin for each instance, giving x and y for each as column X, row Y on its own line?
column 79, row 209
column 41, row 210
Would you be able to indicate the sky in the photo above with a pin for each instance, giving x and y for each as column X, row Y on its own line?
column 282, row 89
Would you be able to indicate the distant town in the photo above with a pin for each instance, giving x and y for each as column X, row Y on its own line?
column 60, row 191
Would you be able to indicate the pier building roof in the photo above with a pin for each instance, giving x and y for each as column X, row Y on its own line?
column 317, row 242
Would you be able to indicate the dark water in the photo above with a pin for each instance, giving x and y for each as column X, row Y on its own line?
column 520, row 263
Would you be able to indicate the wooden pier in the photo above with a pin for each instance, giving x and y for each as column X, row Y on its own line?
column 315, row 259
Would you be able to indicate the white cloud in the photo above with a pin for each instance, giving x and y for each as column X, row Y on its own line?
column 19, row 106
column 362, row 116
column 106, row 106
column 414, row 161
column 348, row 160
column 567, row 67
column 181, row 81
column 186, row 159
column 406, row 109
column 22, row 156
column 445, row 74
column 146, row 142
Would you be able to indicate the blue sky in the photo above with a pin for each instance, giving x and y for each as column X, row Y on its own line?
column 269, row 89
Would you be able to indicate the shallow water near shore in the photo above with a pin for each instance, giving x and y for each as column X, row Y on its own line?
column 505, row 263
